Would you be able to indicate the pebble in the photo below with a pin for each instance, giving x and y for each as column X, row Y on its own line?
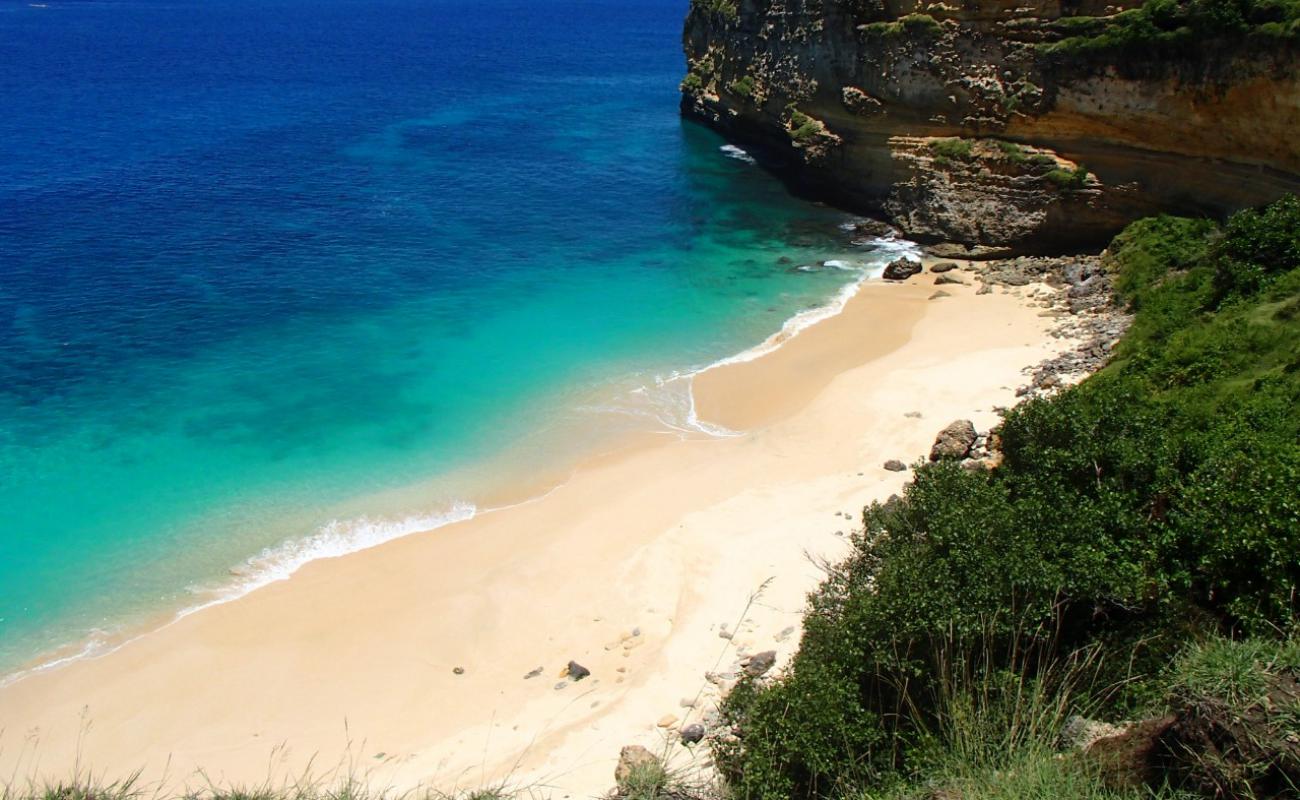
column 667, row 721
column 458, row 670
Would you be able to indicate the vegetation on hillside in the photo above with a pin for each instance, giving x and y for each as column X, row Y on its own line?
column 1176, row 27
column 1153, row 505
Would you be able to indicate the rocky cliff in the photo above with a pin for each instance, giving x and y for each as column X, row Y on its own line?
column 1030, row 125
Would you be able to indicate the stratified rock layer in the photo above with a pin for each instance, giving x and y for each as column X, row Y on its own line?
column 960, row 123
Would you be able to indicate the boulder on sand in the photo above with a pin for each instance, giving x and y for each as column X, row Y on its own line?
column 901, row 269
column 954, row 441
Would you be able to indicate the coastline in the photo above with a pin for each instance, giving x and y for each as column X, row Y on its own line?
column 666, row 536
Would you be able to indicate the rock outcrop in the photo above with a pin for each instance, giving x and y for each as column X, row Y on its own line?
column 996, row 124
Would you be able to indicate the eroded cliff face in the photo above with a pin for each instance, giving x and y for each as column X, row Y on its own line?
column 962, row 123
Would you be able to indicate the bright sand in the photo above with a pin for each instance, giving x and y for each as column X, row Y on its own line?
column 351, row 660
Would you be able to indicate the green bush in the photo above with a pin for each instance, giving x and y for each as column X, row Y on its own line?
column 1154, row 500
column 742, row 87
column 726, row 9
column 1259, row 246
column 922, row 26
column 802, row 126
column 692, row 82
column 1068, row 180
column 1164, row 28
column 946, row 150
column 1238, row 709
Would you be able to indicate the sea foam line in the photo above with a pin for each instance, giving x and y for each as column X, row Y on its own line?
column 277, row 563
column 889, row 248
column 343, row 537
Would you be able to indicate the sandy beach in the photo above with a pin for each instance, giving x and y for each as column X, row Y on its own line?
column 632, row 567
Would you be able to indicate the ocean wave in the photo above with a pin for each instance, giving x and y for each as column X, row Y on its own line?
column 890, row 247
column 731, row 151
column 334, row 539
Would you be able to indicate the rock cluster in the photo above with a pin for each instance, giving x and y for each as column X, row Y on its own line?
column 1083, row 300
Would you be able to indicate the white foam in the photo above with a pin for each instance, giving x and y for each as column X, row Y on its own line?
column 675, row 409
column 731, row 151
column 807, row 318
column 334, row 539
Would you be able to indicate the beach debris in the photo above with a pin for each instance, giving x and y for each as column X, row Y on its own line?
column 759, row 663
column 458, row 670
column 631, row 759
column 667, row 721
column 954, row 441
column 894, row 465
column 576, row 671
column 901, row 269
column 691, row 733
column 533, row 673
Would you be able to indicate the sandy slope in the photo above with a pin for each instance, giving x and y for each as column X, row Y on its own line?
column 351, row 661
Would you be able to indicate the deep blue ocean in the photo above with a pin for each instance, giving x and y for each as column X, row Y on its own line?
column 281, row 279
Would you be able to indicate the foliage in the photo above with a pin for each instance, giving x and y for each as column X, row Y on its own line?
column 1176, row 27
column 948, row 150
column 1154, row 500
column 1014, row 152
column 692, row 82
column 743, row 86
column 1259, row 246
column 1238, row 706
column 802, row 126
column 726, row 9
column 921, row 26
column 1067, row 180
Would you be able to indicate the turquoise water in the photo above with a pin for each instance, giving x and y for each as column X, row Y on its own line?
column 280, row 280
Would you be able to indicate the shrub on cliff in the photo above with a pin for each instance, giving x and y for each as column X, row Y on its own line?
column 1176, row 27
column 1156, row 499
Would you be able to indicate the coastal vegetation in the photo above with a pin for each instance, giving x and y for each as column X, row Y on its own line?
column 1175, row 27
column 1152, row 506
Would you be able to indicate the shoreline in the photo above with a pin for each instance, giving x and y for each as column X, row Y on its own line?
column 507, row 582
column 280, row 562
